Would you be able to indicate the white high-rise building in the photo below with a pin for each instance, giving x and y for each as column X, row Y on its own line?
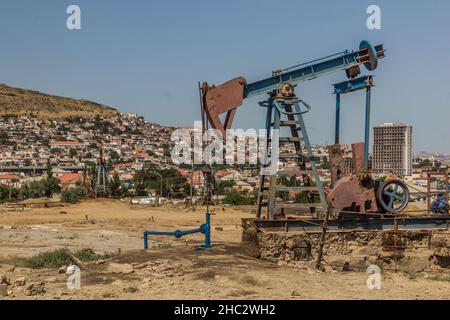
column 392, row 149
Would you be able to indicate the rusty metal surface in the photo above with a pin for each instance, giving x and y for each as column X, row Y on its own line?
column 354, row 193
column 224, row 98
column 364, row 224
column 337, row 162
column 358, row 158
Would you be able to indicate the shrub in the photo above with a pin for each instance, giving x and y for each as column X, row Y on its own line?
column 73, row 195
column 58, row 258
column 88, row 254
column 49, row 259
column 301, row 197
column 6, row 192
column 236, row 198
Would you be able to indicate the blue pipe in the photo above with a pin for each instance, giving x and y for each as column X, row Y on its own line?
column 338, row 116
column 367, row 129
column 204, row 229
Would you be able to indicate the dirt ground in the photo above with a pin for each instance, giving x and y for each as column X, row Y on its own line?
column 173, row 268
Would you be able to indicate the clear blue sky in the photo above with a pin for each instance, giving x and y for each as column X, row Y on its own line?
column 147, row 56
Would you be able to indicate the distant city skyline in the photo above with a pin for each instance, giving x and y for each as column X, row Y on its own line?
column 147, row 57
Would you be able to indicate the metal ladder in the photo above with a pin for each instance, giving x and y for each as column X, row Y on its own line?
column 310, row 183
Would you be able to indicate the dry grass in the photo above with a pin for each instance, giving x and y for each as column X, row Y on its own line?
column 21, row 102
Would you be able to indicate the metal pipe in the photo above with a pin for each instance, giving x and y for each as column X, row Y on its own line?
column 207, row 230
column 367, row 129
column 428, row 193
column 338, row 116
column 203, row 229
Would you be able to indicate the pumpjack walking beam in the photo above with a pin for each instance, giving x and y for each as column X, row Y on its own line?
column 227, row 97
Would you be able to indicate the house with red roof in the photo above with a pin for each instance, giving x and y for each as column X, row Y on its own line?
column 64, row 144
column 10, row 180
column 70, row 180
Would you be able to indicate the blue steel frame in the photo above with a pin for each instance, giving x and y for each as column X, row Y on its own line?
column 204, row 229
column 275, row 108
column 365, row 82
column 316, row 68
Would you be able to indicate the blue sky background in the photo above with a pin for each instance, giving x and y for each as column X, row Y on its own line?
column 147, row 56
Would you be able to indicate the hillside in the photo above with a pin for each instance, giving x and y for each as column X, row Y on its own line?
column 15, row 101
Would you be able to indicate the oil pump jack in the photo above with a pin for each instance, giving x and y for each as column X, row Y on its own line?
column 357, row 192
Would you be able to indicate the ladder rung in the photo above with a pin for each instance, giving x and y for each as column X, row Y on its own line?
column 289, row 123
column 291, row 139
column 285, row 188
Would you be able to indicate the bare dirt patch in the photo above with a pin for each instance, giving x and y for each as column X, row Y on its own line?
column 174, row 269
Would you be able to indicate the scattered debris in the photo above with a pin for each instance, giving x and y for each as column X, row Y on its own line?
column 4, row 279
column 295, row 294
column 130, row 290
column 159, row 269
column 62, row 270
column 74, row 259
column 36, row 288
column 346, row 267
column 328, row 268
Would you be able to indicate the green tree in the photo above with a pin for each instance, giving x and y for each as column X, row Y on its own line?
column 7, row 192
column 149, row 178
column 114, row 155
column 116, row 186
column 301, row 197
column 236, row 198
column 51, row 184
column 72, row 152
column 73, row 195
column 33, row 189
column 225, row 184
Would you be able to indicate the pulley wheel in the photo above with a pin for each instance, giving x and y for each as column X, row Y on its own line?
column 372, row 64
column 286, row 90
column 393, row 196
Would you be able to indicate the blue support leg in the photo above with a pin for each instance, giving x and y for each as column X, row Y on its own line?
column 208, row 231
column 145, row 240
column 367, row 129
column 338, row 116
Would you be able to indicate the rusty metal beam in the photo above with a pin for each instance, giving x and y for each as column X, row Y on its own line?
column 369, row 224
column 358, row 157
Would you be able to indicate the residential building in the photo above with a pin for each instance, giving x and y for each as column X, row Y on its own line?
column 392, row 149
